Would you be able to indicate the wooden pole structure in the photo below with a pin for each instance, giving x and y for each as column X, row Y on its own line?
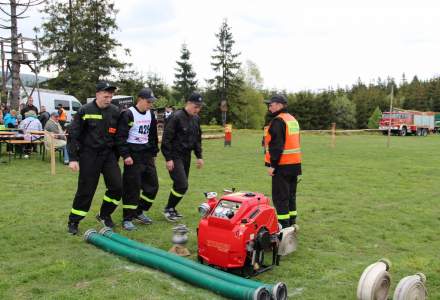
column 52, row 154
column 389, row 115
column 4, row 92
column 36, row 66
column 333, row 135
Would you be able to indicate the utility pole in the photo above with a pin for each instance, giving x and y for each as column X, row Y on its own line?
column 391, row 111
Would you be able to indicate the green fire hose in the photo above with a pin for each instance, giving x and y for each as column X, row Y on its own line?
column 278, row 291
column 219, row 286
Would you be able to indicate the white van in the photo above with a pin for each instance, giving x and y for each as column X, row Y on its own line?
column 51, row 99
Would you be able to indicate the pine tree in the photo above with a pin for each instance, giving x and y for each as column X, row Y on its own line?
column 78, row 44
column 373, row 121
column 185, row 82
column 130, row 83
column 343, row 112
column 228, row 83
column 159, row 87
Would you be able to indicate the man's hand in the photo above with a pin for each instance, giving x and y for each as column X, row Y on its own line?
column 270, row 171
column 199, row 163
column 128, row 161
column 74, row 166
column 170, row 165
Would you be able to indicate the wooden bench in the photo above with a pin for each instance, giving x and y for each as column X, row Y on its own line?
column 20, row 144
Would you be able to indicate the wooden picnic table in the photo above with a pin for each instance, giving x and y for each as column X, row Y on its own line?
column 10, row 129
column 21, row 143
column 6, row 133
column 36, row 132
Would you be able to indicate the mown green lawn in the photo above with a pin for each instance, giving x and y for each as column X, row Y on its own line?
column 357, row 203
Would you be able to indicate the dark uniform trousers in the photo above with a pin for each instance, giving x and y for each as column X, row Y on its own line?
column 91, row 165
column 141, row 175
column 179, row 175
column 284, row 197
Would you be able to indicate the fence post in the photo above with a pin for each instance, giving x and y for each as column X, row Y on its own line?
column 333, row 135
column 52, row 154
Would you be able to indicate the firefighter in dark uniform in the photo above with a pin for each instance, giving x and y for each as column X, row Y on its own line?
column 138, row 145
column 91, row 152
column 182, row 134
column 283, row 159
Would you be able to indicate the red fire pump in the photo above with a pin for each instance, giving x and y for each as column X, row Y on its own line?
column 236, row 231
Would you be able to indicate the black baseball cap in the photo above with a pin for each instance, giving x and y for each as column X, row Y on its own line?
column 146, row 93
column 276, row 98
column 196, row 98
column 105, row 86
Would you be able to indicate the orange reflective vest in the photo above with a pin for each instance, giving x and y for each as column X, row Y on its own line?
column 292, row 150
column 62, row 115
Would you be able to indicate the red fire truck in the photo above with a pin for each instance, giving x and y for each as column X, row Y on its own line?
column 403, row 122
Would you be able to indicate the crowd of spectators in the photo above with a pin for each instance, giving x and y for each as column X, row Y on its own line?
column 28, row 119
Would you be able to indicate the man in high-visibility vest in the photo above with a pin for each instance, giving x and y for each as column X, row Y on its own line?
column 62, row 116
column 283, row 159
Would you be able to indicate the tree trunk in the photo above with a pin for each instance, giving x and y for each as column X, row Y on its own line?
column 15, row 57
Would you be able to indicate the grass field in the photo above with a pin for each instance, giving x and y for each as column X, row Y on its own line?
column 357, row 203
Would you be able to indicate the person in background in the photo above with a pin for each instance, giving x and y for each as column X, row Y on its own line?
column 59, row 141
column 138, row 145
column 30, row 123
column 10, row 119
column 28, row 107
column 283, row 159
column 62, row 116
column 168, row 111
column 182, row 135
column 44, row 116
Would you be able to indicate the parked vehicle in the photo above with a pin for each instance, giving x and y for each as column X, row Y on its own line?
column 437, row 123
column 51, row 99
column 403, row 122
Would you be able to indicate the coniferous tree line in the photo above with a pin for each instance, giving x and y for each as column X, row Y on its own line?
column 77, row 37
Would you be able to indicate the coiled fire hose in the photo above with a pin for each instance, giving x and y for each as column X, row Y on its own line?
column 375, row 281
column 278, row 291
column 411, row 287
column 215, row 284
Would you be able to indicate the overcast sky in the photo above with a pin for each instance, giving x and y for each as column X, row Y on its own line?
column 296, row 45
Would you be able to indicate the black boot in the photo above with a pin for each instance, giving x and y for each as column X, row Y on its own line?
column 72, row 227
column 292, row 221
column 284, row 223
